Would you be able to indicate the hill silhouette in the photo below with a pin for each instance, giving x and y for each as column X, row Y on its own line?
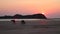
column 18, row 16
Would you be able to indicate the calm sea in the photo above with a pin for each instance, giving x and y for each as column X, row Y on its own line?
column 32, row 26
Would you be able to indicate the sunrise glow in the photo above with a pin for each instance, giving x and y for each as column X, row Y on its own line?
column 12, row 7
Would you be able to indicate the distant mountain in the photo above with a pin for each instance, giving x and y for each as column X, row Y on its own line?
column 18, row 16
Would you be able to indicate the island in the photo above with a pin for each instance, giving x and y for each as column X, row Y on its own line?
column 18, row 16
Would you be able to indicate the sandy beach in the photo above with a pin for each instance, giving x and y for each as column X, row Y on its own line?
column 31, row 27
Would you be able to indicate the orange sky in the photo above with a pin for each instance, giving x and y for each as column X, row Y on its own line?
column 51, row 8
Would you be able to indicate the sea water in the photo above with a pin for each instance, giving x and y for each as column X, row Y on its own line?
column 32, row 26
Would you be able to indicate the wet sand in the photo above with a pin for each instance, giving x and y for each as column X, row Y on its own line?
column 31, row 27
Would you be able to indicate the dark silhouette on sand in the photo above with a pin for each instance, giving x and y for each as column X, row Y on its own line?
column 17, row 16
column 14, row 22
column 22, row 22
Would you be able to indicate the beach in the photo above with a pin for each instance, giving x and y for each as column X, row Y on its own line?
column 31, row 26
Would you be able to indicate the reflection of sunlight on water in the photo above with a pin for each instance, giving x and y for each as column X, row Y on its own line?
column 43, row 30
column 43, row 22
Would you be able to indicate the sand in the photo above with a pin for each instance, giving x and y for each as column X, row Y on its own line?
column 31, row 27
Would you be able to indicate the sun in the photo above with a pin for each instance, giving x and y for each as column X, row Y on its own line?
column 42, row 13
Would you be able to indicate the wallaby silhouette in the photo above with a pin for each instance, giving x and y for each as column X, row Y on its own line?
column 14, row 22
column 22, row 22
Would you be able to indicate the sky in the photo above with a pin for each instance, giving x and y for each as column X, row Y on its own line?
column 50, row 8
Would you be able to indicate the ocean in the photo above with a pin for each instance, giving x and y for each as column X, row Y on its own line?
column 31, row 26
